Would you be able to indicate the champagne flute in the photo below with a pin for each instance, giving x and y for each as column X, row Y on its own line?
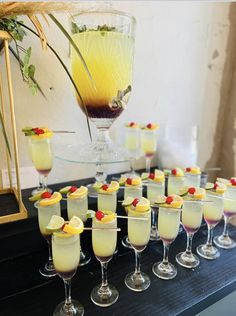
column 149, row 143
column 104, row 239
column 66, row 256
column 132, row 144
column 139, row 234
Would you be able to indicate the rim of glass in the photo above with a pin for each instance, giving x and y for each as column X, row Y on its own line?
column 114, row 12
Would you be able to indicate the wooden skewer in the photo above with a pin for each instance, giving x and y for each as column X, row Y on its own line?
column 102, row 228
column 131, row 217
column 64, row 132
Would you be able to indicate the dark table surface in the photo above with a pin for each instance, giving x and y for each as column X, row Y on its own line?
column 23, row 292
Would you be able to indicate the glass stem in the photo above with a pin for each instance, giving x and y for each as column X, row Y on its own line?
column 166, row 253
column 41, row 181
column 148, row 164
column 104, row 289
column 44, row 182
column 154, row 219
column 137, row 261
column 225, row 231
column 67, row 284
column 132, row 160
column 100, row 174
column 209, row 236
column 189, row 244
column 49, row 250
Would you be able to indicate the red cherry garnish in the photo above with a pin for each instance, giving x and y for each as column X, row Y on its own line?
column 129, row 181
column 46, row 195
column 105, row 187
column 216, row 186
column 188, row 169
column 169, row 199
column 131, row 124
column 135, row 202
column 73, row 189
column 35, row 129
column 233, row 181
column 151, row 176
column 191, row 190
column 149, row 125
column 39, row 131
column 99, row 215
column 174, row 172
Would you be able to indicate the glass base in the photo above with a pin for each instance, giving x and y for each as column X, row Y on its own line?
column 208, row 252
column 186, row 260
column 137, row 282
column 47, row 270
column 164, row 271
column 75, row 309
column 92, row 153
column 104, row 299
column 40, row 189
column 84, row 258
column 224, row 242
column 125, row 242
column 154, row 236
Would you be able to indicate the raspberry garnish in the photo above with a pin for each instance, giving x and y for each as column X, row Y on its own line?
column 151, row 176
column 73, row 189
column 129, row 181
column 39, row 131
column 35, row 129
column 105, row 187
column 216, row 186
column 191, row 190
column 169, row 199
column 46, row 195
column 135, row 202
column 188, row 169
column 99, row 215
column 131, row 124
column 149, row 125
column 174, row 171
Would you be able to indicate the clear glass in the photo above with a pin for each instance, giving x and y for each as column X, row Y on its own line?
column 191, row 221
column 104, row 245
column 79, row 207
column 175, row 184
column 108, row 53
column 224, row 240
column 139, row 234
column 44, row 216
column 192, row 180
column 168, row 228
column 42, row 158
column 213, row 213
column 66, row 257
column 133, row 192
column 132, row 144
column 153, row 190
column 148, row 145
column 107, row 201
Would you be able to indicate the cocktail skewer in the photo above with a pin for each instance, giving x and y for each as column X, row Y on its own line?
column 129, row 217
column 64, row 132
column 98, row 228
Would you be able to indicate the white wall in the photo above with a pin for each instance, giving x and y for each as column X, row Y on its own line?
column 173, row 82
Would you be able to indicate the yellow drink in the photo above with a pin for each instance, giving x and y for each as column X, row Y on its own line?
column 230, row 206
column 192, row 216
column 138, row 230
column 213, row 212
column 109, row 57
column 168, row 224
column 77, row 207
column 107, row 201
column 149, row 142
column 104, row 241
column 41, row 154
column 175, row 184
column 66, row 255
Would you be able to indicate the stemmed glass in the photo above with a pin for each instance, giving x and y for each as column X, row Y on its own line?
column 191, row 220
column 44, row 215
column 149, row 143
column 224, row 241
column 132, row 144
column 192, row 177
column 106, row 42
column 155, row 188
column 77, row 205
column 107, row 197
column 40, row 148
column 168, row 228
column 66, row 256
column 212, row 214
column 139, row 234
column 104, row 238
column 176, row 181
